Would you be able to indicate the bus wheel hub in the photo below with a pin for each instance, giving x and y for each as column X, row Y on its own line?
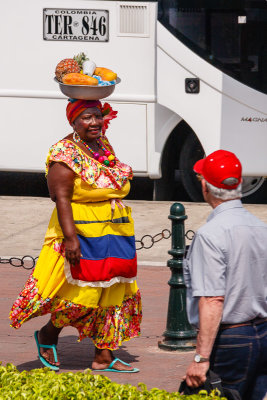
column 251, row 184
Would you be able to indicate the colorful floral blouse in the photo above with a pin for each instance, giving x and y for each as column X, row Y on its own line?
column 90, row 170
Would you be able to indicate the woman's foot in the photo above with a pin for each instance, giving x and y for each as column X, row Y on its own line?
column 103, row 358
column 48, row 334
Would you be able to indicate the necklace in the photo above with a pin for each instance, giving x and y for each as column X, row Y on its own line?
column 107, row 159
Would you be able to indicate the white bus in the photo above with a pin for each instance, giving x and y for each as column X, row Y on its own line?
column 193, row 80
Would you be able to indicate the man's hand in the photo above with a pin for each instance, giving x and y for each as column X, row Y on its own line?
column 196, row 373
column 210, row 314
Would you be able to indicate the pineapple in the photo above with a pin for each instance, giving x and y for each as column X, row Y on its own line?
column 66, row 66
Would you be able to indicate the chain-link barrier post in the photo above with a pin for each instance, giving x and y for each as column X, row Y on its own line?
column 179, row 334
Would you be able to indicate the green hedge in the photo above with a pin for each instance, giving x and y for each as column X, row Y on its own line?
column 44, row 384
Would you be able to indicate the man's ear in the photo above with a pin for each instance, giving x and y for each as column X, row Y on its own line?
column 204, row 186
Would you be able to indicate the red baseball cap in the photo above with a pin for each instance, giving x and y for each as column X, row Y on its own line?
column 218, row 166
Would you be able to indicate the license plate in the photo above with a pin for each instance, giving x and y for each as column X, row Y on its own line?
column 80, row 25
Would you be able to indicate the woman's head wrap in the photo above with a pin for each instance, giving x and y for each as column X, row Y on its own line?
column 75, row 107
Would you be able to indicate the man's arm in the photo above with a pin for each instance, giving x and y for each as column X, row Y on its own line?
column 210, row 315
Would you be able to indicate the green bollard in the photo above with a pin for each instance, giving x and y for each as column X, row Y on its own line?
column 179, row 334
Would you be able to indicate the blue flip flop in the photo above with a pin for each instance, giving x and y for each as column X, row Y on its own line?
column 46, row 346
column 111, row 369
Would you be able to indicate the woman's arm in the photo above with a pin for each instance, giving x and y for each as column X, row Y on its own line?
column 60, row 185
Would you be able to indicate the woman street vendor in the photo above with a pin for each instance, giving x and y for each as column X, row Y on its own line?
column 85, row 276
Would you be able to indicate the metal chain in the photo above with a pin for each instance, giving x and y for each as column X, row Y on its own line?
column 20, row 262
column 146, row 242
column 189, row 234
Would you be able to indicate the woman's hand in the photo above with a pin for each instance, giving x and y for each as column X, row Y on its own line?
column 72, row 250
column 113, row 203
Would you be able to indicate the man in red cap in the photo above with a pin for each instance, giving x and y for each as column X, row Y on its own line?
column 225, row 272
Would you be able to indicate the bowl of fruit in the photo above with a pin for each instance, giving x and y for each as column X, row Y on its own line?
column 80, row 78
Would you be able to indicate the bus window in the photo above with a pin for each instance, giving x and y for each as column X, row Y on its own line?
column 230, row 35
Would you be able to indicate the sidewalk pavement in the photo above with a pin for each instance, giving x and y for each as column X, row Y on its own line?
column 23, row 225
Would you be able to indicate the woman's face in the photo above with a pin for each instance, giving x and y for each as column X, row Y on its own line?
column 89, row 124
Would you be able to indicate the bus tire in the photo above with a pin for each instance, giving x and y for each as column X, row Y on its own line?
column 191, row 152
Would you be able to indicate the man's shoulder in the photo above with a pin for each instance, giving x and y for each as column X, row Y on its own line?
column 209, row 233
column 228, row 220
column 211, row 226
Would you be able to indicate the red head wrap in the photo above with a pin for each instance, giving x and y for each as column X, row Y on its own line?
column 76, row 107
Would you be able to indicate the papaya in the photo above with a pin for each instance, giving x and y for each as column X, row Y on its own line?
column 105, row 73
column 79, row 79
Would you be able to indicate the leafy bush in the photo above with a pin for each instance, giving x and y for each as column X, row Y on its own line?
column 44, row 384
